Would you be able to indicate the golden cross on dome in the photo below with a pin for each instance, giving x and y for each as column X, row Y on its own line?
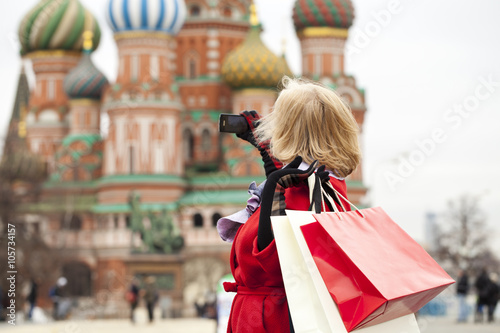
column 87, row 40
column 254, row 19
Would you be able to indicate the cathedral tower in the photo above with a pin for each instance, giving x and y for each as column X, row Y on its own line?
column 253, row 72
column 212, row 29
column 79, row 158
column 142, row 150
column 51, row 37
column 322, row 27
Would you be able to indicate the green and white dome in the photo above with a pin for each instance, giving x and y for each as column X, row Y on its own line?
column 57, row 25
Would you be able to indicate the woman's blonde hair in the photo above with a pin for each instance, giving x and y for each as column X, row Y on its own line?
column 312, row 121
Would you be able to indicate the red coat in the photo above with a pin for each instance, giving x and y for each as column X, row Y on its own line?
column 260, row 304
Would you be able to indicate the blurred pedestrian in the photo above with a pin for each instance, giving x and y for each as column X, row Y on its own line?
column 493, row 295
column 132, row 297
column 56, row 294
column 462, row 290
column 211, row 305
column 482, row 284
column 150, row 296
column 200, row 304
column 32, row 297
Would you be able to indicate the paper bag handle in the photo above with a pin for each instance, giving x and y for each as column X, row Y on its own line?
column 329, row 193
column 330, row 188
column 318, row 197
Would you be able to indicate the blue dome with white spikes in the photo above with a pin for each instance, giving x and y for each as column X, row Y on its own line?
column 146, row 15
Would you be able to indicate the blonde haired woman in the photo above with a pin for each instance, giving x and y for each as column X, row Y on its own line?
column 309, row 124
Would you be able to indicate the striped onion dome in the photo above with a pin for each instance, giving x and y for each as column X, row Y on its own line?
column 253, row 65
column 323, row 13
column 150, row 15
column 57, row 25
column 85, row 80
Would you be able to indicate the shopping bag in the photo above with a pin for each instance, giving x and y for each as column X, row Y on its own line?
column 373, row 270
column 311, row 307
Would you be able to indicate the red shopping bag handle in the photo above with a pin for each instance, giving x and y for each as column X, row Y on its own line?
column 334, row 194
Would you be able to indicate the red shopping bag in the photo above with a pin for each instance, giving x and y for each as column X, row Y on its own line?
column 372, row 268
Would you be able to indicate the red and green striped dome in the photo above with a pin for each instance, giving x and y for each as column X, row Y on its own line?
column 57, row 25
column 323, row 13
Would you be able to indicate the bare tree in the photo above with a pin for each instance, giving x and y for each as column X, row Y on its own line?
column 463, row 236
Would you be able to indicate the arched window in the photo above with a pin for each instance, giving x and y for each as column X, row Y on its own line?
column 215, row 218
column 154, row 67
column 75, row 223
column 198, row 220
column 79, row 279
column 194, row 10
column 206, row 140
column 134, row 68
column 188, row 142
column 51, row 89
column 71, row 222
column 192, row 69
column 131, row 159
column 191, row 62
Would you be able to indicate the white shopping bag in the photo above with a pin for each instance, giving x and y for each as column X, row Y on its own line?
column 311, row 306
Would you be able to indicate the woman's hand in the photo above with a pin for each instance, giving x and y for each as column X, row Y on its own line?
column 271, row 164
column 290, row 175
column 252, row 118
column 323, row 175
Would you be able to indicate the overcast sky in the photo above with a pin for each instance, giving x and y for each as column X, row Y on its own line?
column 431, row 71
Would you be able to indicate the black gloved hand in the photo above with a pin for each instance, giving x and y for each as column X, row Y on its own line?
column 252, row 118
column 322, row 174
column 271, row 164
column 273, row 197
column 290, row 175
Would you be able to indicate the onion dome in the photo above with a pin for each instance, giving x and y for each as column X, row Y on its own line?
column 85, row 80
column 146, row 15
column 323, row 13
column 57, row 25
column 252, row 64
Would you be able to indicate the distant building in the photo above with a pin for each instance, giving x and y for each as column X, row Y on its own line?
column 145, row 198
